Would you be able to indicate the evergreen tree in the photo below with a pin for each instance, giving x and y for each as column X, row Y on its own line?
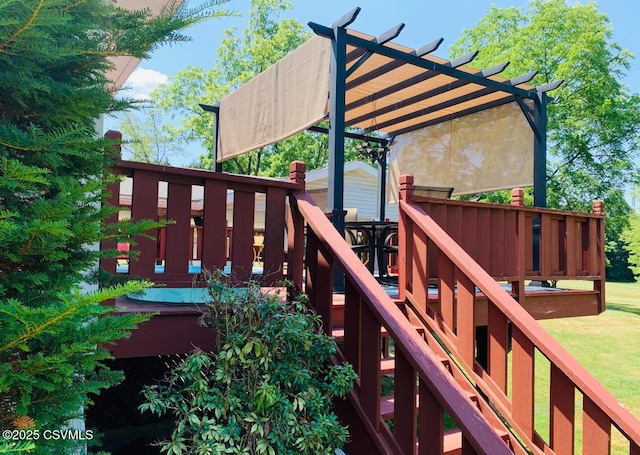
column 54, row 55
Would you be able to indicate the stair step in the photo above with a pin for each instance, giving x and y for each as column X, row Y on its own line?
column 387, row 404
column 338, row 333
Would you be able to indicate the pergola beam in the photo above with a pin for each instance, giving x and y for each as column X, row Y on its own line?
column 417, row 98
column 424, row 63
column 382, row 39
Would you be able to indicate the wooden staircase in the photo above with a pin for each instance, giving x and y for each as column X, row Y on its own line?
column 452, row 443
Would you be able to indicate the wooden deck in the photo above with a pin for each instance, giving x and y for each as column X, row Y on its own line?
column 425, row 336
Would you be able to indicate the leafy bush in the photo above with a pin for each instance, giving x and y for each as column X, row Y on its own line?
column 267, row 389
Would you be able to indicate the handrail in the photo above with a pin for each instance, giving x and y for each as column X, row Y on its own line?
column 332, row 250
column 526, row 331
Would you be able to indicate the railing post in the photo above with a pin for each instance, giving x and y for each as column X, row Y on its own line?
column 517, row 200
column 404, row 233
column 597, row 259
column 295, row 228
column 517, row 197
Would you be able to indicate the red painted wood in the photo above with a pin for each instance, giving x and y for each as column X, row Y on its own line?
column 483, row 234
column 243, row 228
column 214, row 217
column 497, row 339
column 562, row 408
column 596, row 429
column 295, row 245
column 634, row 448
column 496, row 240
column 446, row 290
column 510, row 258
column 431, row 423
column 113, row 200
column 324, row 291
column 465, row 326
column 273, row 254
column 352, row 305
column 178, row 233
column 145, row 189
column 419, row 267
column 382, row 308
column 370, row 366
column 571, row 241
column 471, row 230
column 522, row 381
column 311, row 262
column 546, row 247
column 405, row 407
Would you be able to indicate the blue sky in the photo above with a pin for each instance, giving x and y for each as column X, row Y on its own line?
column 425, row 21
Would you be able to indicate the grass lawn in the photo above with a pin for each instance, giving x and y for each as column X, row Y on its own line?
column 608, row 346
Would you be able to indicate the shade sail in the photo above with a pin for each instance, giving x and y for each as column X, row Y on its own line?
column 486, row 151
column 287, row 98
column 440, row 113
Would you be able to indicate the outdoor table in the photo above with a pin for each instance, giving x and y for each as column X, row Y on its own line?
column 373, row 238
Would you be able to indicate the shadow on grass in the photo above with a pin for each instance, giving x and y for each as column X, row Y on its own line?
column 624, row 308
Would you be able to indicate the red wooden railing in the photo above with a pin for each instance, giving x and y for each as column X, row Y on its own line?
column 368, row 309
column 501, row 239
column 221, row 243
column 460, row 279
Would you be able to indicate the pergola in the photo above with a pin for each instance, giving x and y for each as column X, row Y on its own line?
column 372, row 89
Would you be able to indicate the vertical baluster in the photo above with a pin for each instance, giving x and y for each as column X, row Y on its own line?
column 511, row 243
column 484, row 233
column 352, row 305
column 545, row 247
column 109, row 264
column 324, row 290
column 562, row 409
column 431, row 423
column 446, row 290
column 273, row 253
column 370, row 366
column 522, row 381
column 570, row 248
column 179, row 232
column 405, row 403
column 144, row 205
column 634, row 448
column 596, row 429
column 465, row 320
column 214, row 217
column 497, row 337
column 311, row 262
column 419, row 268
column 243, row 220
column 496, row 240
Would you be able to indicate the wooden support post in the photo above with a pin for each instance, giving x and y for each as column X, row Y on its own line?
column 405, row 233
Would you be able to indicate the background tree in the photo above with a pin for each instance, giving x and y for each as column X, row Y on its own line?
column 153, row 139
column 53, row 63
column 240, row 57
column 593, row 119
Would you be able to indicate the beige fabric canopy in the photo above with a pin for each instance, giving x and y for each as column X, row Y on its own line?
column 392, row 96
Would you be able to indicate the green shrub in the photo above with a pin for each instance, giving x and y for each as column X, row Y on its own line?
column 268, row 388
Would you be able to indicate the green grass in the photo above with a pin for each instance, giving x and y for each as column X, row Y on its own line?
column 608, row 346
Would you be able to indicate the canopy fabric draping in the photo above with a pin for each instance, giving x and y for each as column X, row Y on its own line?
column 465, row 121
column 290, row 96
column 486, row 151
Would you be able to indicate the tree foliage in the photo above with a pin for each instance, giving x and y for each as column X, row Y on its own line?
column 267, row 388
column 593, row 118
column 54, row 56
column 240, row 57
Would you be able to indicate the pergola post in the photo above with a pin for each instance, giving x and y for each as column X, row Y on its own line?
column 540, row 151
